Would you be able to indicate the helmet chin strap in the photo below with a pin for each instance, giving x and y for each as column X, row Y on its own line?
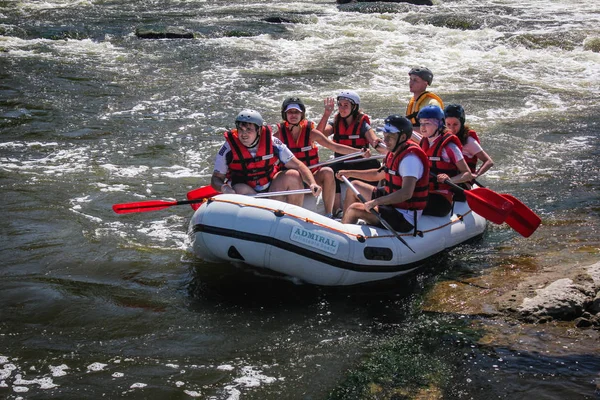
column 439, row 130
column 353, row 113
column 292, row 126
column 253, row 144
column 398, row 144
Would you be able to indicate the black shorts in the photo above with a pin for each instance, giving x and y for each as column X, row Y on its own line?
column 459, row 195
column 437, row 205
column 359, row 166
column 391, row 215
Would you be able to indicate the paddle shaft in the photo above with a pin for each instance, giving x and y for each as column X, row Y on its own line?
column 150, row 205
column 375, row 213
column 155, row 205
column 485, row 202
column 337, row 159
column 377, row 157
column 449, row 182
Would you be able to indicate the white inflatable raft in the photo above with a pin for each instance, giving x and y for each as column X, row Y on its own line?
column 311, row 248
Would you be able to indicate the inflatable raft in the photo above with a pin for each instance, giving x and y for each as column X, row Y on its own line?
column 311, row 248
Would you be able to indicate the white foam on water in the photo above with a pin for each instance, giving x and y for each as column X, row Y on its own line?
column 138, row 385
column 7, row 370
column 61, row 162
column 180, row 172
column 87, row 216
column 105, row 55
column 44, row 383
column 167, row 230
column 113, row 188
column 96, row 366
column 253, row 377
column 463, row 61
column 126, row 172
column 51, row 5
column 233, row 393
column 59, row 370
column 11, row 145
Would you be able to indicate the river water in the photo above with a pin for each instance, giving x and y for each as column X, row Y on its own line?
column 95, row 304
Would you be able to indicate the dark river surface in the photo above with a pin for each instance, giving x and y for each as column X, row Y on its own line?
column 99, row 305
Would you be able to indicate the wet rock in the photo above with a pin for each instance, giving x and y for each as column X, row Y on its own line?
column 562, row 300
column 454, row 21
column 561, row 292
column 279, row 20
column 68, row 35
column 288, row 19
column 238, row 33
column 595, row 304
column 592, row 44
column 594, row 272
column 163, row 33
column 566, row 41
column 583, row 322
column 415, row 2
column 575, row 297
column 11, row 30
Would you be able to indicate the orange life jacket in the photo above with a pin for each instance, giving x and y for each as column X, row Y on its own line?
column 393, row 180
column 244, row 168
column 413, row 108
column 304, row 149
column 350, row 135
column 439, row 166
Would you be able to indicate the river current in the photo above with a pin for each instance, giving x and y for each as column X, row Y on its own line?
column 99, row 305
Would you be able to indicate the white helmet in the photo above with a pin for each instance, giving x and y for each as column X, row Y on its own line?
column 251, row 116
column 349, row 95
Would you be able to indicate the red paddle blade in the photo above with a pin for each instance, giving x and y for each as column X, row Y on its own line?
column 489, row 204
column 142, row 206
column 204, row 192
column 522, row 219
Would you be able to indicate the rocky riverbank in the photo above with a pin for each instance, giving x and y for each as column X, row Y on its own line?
column 554, row 293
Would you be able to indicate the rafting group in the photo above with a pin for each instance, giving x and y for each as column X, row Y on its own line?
column 426, row 154
column 421, row 200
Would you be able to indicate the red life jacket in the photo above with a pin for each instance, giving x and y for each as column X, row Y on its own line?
column 393, row 180
column 439, row 166
column 472, row 161
column 304, row 149
column 350, row 135
column 244, row 168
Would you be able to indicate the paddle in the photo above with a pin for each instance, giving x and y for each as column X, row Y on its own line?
column 340, row 158
column 202, row 193
column 377, row 157
column 375, row 213
column 489, row 204
column 522, row 219
column 155, row 205
column 207, row 191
